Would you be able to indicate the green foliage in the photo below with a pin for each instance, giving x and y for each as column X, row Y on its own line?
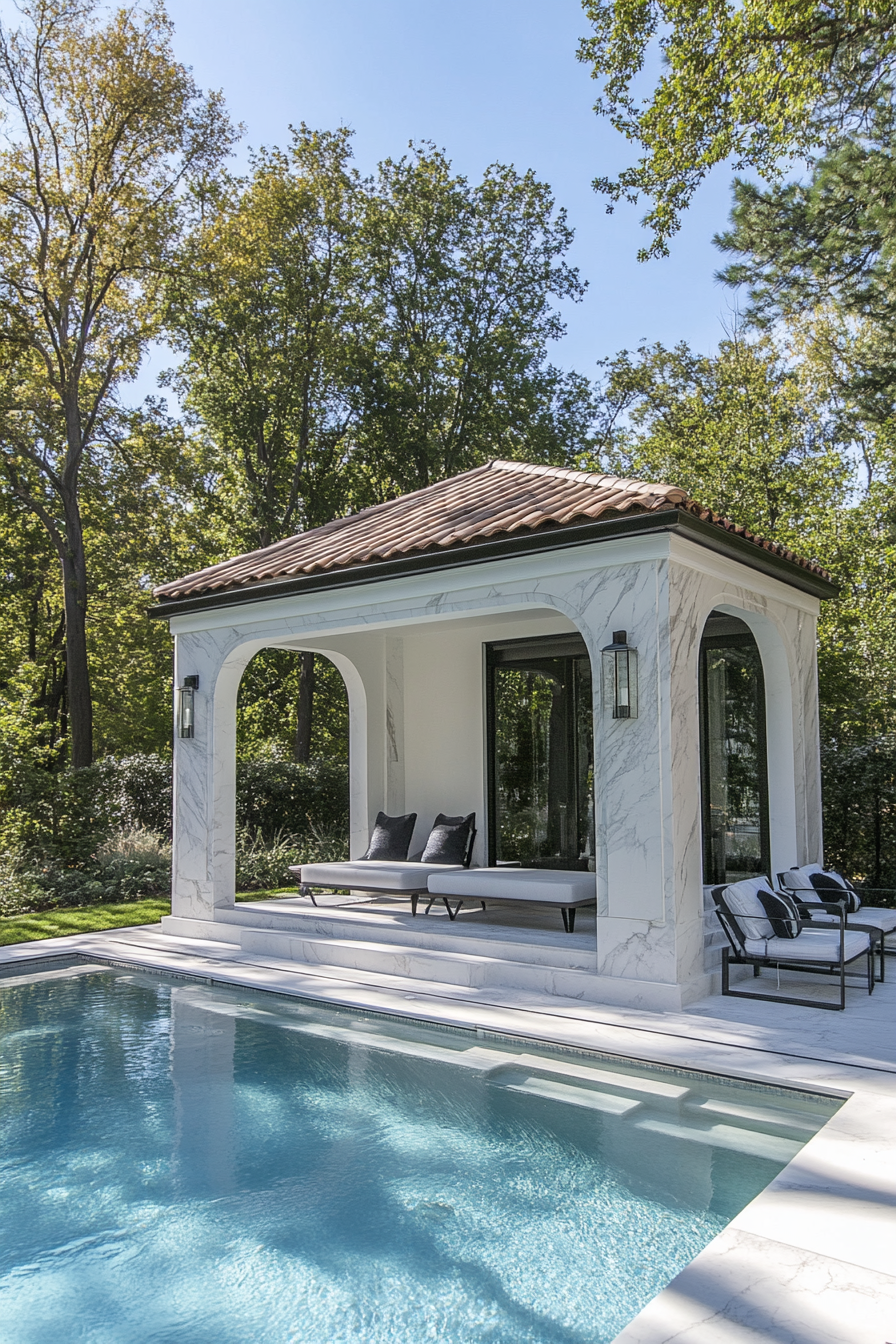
column 101, row 128
column 345, row 339
column 755, row 82
column 264, row 310
column 819, row 259
column 738, row 430
column 860, row 812
column 263, row 861
column 461, row 287
column 21, row 887
column 268, row 703
column 284, row 797
column 756, row 439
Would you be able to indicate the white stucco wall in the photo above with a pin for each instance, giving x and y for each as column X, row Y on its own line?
column 411, row 653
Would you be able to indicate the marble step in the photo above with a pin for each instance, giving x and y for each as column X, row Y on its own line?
column 782, row 1121
column 549, row 947
column 435, row 966
column 735, row 1138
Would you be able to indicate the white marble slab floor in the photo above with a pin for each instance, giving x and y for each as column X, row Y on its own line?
column 812, row 1260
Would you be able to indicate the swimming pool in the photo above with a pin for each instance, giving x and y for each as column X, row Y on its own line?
column 188, row 1162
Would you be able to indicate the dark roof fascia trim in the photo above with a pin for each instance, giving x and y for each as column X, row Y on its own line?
column 716, row 538
column 505, row 548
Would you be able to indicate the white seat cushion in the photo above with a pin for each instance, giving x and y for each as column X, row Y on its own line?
column 810, row 945
column 549, row 885
column 797, row 880
column 882, row 919
column 370, row 875
column 746, row 907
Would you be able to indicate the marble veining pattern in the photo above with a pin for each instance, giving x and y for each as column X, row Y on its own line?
column 410, row 652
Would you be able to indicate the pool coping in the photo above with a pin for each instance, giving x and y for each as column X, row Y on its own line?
column 811, row 1260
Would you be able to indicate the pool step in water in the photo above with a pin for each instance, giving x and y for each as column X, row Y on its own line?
column 732, row 1137
column 785, row 1123
column 591, row 1099
column 646, row 1102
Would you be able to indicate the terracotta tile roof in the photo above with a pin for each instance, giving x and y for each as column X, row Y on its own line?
column 492, row 501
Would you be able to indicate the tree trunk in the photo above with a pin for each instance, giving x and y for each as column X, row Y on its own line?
column 302, row 751
column 74, row 587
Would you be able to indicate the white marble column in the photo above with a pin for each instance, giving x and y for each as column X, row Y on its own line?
column 204, row 848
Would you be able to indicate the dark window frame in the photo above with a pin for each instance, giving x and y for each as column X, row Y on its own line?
column 525, row 653
column 744, row 639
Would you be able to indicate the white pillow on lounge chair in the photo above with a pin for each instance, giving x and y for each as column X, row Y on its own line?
column 816, row 884
column 742, row 900
column 797, row 881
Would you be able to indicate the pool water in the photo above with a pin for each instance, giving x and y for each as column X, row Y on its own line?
column 187, row 1162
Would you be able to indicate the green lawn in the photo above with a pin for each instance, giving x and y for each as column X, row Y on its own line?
column 266, row 895
column 92, row 918
column 82, row 919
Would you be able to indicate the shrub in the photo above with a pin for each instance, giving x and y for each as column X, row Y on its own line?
column 263, row 862
column 285, row 798
column 79, row 837
column 860, row 810
column 21, row 889
column 139, row 791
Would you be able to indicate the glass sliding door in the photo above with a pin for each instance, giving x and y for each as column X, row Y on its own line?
column 540, row 753
column 733, row 769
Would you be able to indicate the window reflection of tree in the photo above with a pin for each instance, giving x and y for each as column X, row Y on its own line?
column 733, row 754
column 525, row 703
column 543, row 759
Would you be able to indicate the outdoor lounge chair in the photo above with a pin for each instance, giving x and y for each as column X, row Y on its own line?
column 811, row 885
column 385, row 868
column 764, row 928
column 533, row 886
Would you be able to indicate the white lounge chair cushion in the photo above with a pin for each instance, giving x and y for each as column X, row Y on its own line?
column 811, row 945
column 747, row 908
column 878, row 918
column 797, row 879
column 549, row 885
column 370, row 875
column 800, row 879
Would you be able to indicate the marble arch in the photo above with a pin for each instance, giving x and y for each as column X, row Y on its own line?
column 408, row 636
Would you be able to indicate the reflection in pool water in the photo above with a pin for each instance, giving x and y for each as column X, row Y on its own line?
column 183, row 1162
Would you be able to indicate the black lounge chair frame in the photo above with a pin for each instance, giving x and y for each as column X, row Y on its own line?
column 853, row 924
column 736, row 954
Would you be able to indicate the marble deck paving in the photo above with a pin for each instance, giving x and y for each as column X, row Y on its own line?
column 812, row 1260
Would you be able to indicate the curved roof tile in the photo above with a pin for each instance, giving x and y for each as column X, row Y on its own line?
column 499, row 498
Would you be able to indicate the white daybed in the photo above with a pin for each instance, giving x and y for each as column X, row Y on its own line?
column 536, row 886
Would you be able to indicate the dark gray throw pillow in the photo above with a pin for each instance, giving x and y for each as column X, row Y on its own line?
column 449, row 839
column 782, row 913
column 391, row 838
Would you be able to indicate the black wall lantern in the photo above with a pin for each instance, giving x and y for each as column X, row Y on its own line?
column 186, row 706
column 620, row 677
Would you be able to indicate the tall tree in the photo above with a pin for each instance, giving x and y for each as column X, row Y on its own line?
column 742, row 80
column 463, row 282
column 347, row 339
column 263, row 311
column 819, row 259
column 756, row 437
column 737, row 430
column 103, row 126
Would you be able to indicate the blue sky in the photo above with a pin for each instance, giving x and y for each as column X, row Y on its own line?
column 489, row 80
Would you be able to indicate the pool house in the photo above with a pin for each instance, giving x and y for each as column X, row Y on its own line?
column 612, row 678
